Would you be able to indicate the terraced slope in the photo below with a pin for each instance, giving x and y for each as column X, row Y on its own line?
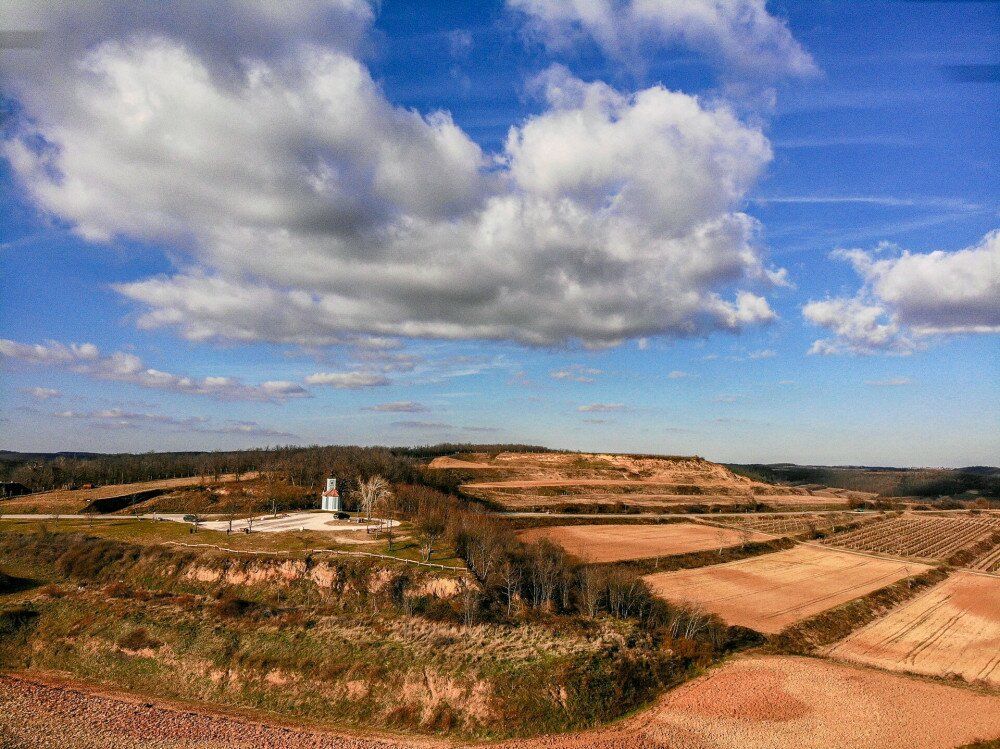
column 525, row 481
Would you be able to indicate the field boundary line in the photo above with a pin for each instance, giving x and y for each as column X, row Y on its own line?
column 322, row 551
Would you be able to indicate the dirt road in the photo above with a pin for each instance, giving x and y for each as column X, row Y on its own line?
column 756, row 702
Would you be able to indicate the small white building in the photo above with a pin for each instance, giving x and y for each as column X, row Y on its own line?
column 330, row 499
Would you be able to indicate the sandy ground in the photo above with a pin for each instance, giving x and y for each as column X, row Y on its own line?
column 769, row 592
column 952, row 629
column 445, row 462
column 536, row 483
column 760, row 702
column 613, row 543
column 525, row 480
column 516, row 502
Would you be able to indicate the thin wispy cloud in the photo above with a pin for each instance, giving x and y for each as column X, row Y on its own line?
column 119, row 418
column 890, row 382
column 417, row 424
column 576, row 373
column 877, row 200
column 601, row 408
column 40, row 393
column 86, row 359
column 348, row 380
column 396, row 407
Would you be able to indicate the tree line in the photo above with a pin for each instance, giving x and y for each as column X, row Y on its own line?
column 518, row 580
column 294, row 465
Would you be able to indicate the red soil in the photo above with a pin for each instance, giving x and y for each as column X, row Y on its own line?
column 613, row 543
column 769, row 592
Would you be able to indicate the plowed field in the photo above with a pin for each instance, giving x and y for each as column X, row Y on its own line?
column 614, row 543
column 951, row 630
column 769, row 592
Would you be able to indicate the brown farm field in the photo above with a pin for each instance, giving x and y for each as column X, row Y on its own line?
column 952, row 630
column 922, row 536
column 770, row 592
column 758, row 702
column 520, row 481
column 616, row 543
column 76, row 500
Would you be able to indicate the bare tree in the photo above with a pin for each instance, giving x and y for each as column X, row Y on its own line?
column 230, row 513
column 372, row 491
column 483, row 556
column 510, row 577
column 547, row 561
column 431, row 522
column 470, row 604
column 592, row 585
column 387, row 508
column 626, row 591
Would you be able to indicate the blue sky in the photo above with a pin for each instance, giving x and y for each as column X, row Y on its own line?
column 593, row 226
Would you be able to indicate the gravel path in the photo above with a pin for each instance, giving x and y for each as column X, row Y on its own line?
column 53, row 716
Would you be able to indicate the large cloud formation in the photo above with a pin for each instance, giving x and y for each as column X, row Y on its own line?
column 740, row 35
column 912, row 296
column 304, row 207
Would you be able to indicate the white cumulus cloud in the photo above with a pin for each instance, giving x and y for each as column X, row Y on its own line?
column 301, row 206
column 741, row 35
column 911, row 296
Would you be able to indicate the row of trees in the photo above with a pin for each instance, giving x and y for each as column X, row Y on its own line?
column 297, row 466
column 518, row 579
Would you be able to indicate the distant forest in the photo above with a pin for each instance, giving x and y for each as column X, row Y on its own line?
column 888, row 482
column 308, row 467
column 297, row 466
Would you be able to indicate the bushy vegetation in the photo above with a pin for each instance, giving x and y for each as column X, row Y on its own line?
column 151, row 619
